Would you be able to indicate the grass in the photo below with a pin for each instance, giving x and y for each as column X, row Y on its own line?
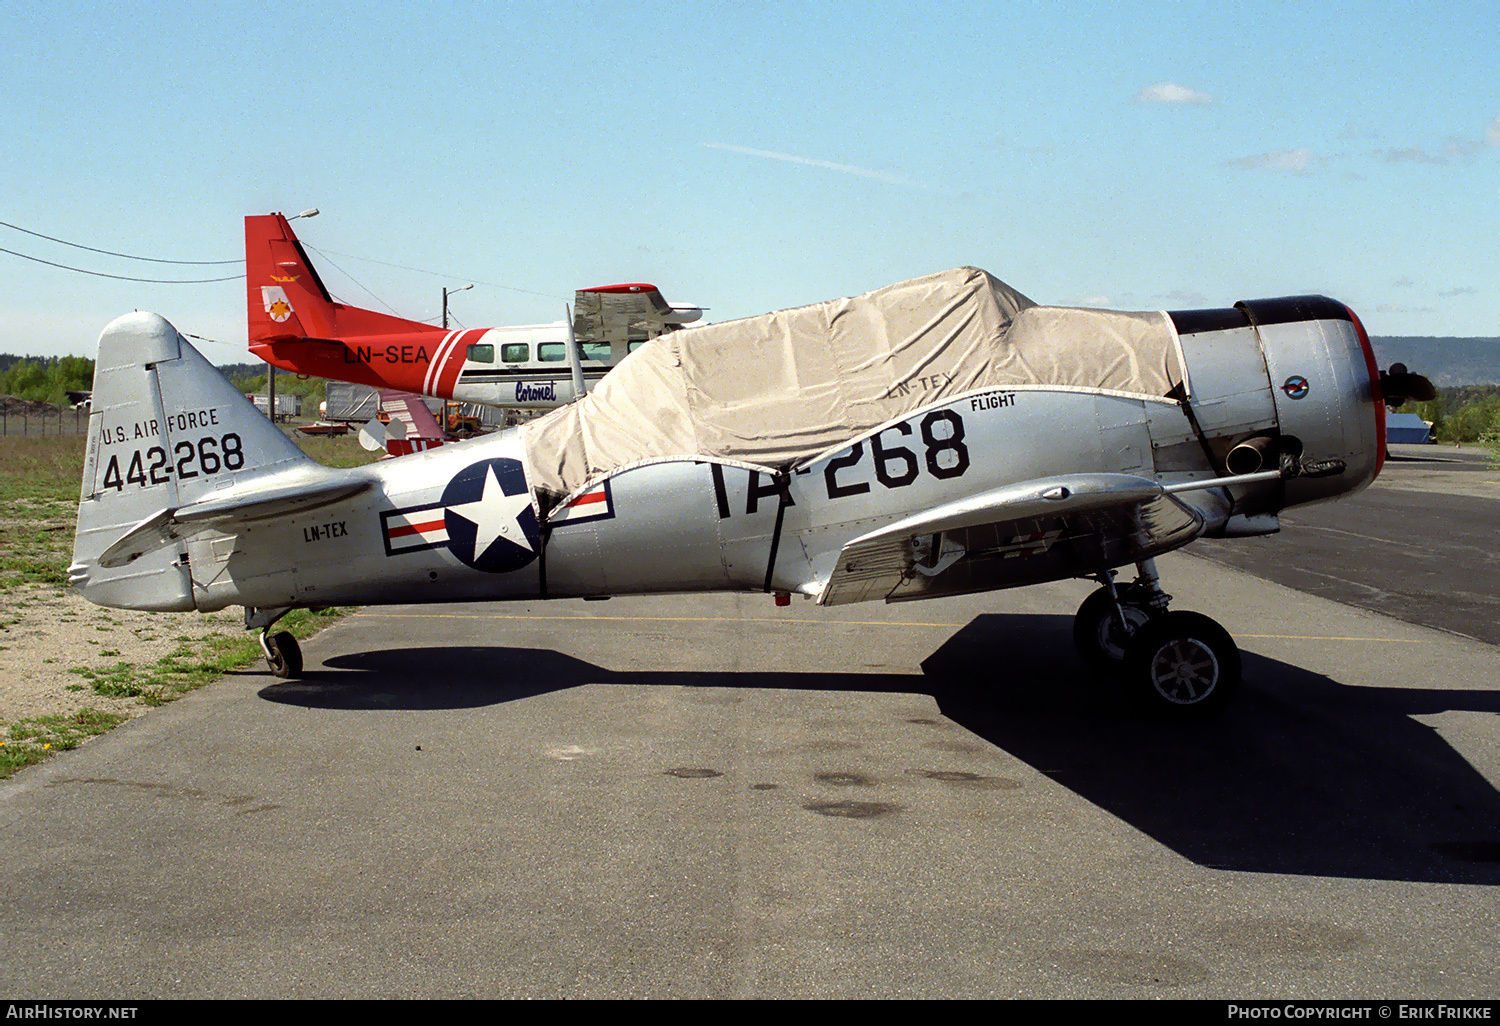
column 194, row 663
column 39, row 486
column 39, row 499
column 43, row 471
column 31, row 740
column 333, row 451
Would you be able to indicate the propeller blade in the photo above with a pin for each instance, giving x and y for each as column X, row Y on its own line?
column 1398, row 385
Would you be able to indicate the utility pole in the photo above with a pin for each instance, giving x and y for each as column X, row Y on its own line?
column 446, row 294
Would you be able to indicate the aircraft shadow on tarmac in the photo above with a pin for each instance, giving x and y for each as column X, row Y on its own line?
column 1303, row 775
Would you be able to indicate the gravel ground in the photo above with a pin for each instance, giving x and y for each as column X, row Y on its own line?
column 47, row 631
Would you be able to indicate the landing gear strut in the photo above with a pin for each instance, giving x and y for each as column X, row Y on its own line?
column 283, row 654
column 1111, row 616
column 1183, row 665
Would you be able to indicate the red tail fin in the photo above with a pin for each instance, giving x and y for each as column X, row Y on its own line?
column 285, row 298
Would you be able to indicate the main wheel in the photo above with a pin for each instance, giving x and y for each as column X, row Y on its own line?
column 1183, row 665
column 1097, row 633
column 284, row 655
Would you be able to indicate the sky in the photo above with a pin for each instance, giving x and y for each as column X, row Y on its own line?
column 749, row 156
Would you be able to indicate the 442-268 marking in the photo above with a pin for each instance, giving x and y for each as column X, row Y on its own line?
column 203, row 458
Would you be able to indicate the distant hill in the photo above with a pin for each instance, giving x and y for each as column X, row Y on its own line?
column 1446, row 362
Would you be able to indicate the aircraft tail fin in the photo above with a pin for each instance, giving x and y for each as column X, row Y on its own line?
column 285, row 299
column 166, row 432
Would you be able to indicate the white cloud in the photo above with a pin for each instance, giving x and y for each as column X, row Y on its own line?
column 1492, row 132
column 848, row 169
column 1294, row 161
column 1458, row 146
column 1408, row 155
column 1170, row 92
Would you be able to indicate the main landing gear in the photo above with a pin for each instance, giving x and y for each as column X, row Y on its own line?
column 1183, row 665
column 283, row 654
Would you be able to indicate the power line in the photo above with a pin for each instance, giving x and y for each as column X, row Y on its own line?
column 437, row 274
column 121, row 277
column 107, row 252
column 351, row 277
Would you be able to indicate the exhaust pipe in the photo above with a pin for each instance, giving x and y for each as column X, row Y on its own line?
column 1252, row 455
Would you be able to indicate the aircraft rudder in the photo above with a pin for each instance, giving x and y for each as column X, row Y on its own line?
column 284, row 297
column 165, row 429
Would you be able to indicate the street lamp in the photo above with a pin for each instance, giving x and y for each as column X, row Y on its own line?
column 446, row 294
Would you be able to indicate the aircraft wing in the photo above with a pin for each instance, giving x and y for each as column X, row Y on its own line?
column 1041, row 530
column 610, row 313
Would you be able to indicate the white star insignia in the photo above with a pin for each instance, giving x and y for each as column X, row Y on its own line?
column 495, row 515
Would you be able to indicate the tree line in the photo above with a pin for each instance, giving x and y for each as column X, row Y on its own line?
column 46, row 379
column 1466, row 413
column 49, row 379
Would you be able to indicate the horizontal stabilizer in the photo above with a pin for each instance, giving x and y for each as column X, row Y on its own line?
column 263, row 500
column 617, row 313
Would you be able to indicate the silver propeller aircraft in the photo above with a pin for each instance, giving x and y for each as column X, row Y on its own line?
column 940, row 436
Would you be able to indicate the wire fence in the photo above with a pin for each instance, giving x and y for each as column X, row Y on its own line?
column 41, row 420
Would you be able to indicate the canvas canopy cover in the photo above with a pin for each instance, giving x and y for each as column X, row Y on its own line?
column 777, row 391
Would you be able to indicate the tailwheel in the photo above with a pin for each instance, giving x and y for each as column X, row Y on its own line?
column 1098, row 634
column 1183, row 665
column 283, row 654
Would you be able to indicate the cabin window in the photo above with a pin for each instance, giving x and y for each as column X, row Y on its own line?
column 482, row 354
column 594, row 351
column 515, row 352
column 636, row 345
column 551, row 352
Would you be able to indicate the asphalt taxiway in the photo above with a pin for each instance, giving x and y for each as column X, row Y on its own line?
column 713, row 797
column 1421, row 544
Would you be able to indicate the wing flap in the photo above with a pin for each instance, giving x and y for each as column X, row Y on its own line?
column 1019, row 534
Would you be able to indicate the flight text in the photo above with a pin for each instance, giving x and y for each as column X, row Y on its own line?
column 992, row 400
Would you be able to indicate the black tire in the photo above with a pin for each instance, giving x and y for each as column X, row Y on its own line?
column 1183, row 665
column 285, row 659
column 1097, row 634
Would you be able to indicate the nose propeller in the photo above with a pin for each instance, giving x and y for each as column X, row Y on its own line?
column 1398, row 385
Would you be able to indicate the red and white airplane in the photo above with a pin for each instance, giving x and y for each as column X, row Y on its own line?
column 295, row 324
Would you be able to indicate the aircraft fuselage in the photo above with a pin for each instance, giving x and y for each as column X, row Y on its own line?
column 455, row 523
